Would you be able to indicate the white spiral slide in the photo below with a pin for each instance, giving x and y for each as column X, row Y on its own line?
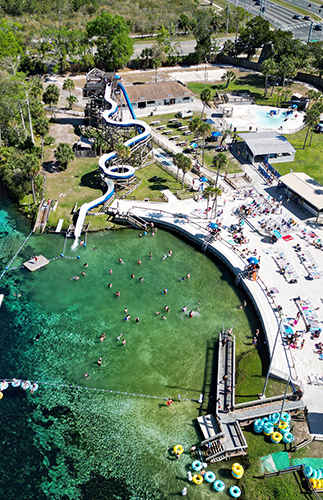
column 114, row 172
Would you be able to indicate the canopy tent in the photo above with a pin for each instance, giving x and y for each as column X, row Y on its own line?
column 209, row 121
column 306, row 188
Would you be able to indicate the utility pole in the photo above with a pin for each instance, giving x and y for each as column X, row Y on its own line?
column 263, row 395
column 310, row 33
column 228, row 16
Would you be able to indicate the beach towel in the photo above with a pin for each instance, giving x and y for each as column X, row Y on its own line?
column 288, row 237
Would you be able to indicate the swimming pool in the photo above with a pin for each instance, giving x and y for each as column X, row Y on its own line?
column 264, row 117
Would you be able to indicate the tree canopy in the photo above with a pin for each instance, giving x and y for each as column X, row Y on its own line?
column 253, row 36
column 114, row 45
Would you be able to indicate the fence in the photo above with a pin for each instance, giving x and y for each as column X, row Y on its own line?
column 83, row 153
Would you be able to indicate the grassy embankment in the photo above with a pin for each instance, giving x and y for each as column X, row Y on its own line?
column 80, row 183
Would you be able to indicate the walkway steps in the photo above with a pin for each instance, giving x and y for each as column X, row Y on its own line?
column 249, row 415
column 208, row 426
column 59, row 226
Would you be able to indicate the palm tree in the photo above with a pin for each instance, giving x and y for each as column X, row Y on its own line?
column 268, row 68
column 311, row 118
column 156, row 62
column 204, row 130
column 71, row 99
column 217, row 192
column 51, row 96
column 314, row 96
column 32, row 165
column 64, row 154
column 225, row 133
column 194, row 127
column 317, row 106
column 205, row 97
column 178, row 160
column 220, row 160
column 42, row 128
column 207, row 194
column 279, row 91
column 228, row 77
column 69, row 85
column 186, row 166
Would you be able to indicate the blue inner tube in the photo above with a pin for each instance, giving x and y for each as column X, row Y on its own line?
column 26, row 385
column 308, row 470
column 34, row 387
column 285, row 417
column 235, row 491
column 197, row 465
column 209, row 476
column 16, row 383
column 219, row 485
column 4, row 385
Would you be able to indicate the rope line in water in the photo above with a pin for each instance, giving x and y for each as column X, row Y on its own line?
column 13, row 258
column 71, row 386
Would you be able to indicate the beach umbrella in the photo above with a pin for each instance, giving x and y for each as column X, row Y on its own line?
column 193, row 145
column 277, row 234
column 253, row 260
column 213, row 225
column 203, row 179
column 288, row 329
column 294, row 106
column 216, row 134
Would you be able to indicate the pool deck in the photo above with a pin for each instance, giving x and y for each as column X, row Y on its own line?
column 297, row 363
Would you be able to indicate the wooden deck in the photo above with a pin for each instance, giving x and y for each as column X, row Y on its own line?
column 33, row 264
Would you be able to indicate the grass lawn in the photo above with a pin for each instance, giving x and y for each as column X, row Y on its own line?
column 308, row 160
column 255, row 83
column 79, row 183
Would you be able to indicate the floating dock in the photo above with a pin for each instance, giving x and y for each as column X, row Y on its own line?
column 36, row 263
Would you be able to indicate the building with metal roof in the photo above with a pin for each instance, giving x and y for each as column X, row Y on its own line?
column 271, row 146
column 158, row 94
column 304, row 190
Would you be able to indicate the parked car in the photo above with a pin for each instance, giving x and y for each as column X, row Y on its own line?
column 307, row 18
column 318, row 27
column 296, row 16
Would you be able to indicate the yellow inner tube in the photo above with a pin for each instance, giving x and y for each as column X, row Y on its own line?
column 283, row 425
column 197, row 479
column 178, row 449
column 313, row 482
column 1, row 395
column 318, row 484
column 237, row 469
column 276, row 436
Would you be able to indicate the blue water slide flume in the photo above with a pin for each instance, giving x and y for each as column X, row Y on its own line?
column 114, row 172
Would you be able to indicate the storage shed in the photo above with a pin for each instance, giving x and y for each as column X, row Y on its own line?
column 271, row 146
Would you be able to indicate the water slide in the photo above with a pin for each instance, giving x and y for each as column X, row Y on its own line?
column 114, row 172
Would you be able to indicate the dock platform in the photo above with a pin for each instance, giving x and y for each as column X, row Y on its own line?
column 36, row 263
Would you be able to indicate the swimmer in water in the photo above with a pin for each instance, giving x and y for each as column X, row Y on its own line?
column 86, row 375
column 118, row 294
column 85, row 264
column 184, row 309
column 150, row 255
column 99, row 362
column 137, row 320
column 102, row 337
column 38, row 336
column 141, row 279
column 157, row 313
column 170, row 253
column 140, row 235
column 188, row 276
column 164, row 317
column 139, row 262
column 190, row 314
column 127, row 317
column 110, row 285
column 125, row 310
column 166, row 309
column 165, row 290
column 152, row 233
column 110, row 271
column 118, row 338
column 132, row 276
column 83, row 273
column 94, row 248
column 121, row 261
column 75, row 278
column 124, row 342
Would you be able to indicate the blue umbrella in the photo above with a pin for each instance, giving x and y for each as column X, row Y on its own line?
column 253, row 260
column 193, row 145
column 203, row 179
column 294, row 106
column 213, row 225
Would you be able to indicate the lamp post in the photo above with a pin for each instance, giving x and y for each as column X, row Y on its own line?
column 282, row 406
column 271, row 360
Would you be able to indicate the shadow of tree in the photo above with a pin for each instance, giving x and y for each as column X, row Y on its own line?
column 90, row 180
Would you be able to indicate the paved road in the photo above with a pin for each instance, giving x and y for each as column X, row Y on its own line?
column 187, row 46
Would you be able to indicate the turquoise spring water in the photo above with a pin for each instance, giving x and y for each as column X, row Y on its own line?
column 263, row 118
column 77, row 443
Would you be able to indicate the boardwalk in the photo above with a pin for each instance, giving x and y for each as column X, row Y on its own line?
column 222, row 434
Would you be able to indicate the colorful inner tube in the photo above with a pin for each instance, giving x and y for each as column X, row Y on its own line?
column 274, row 418
column 210, row 477
column 285, row 417
column 268, row 429
column 25, row 384
column 284, row 431
column 4, row 385
column 276, row 437
column 197, row 479
column 34, row 387
column 237, row 469
column 319, row 484
column 288, row 437
column 313, row 482
column 235, row 491
column 219, row 485
column 1, row 395
column 283, row 425
column 16, row 382
column 178, row 449
column 236, row 476
column 197, row 465
column 308, row 470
